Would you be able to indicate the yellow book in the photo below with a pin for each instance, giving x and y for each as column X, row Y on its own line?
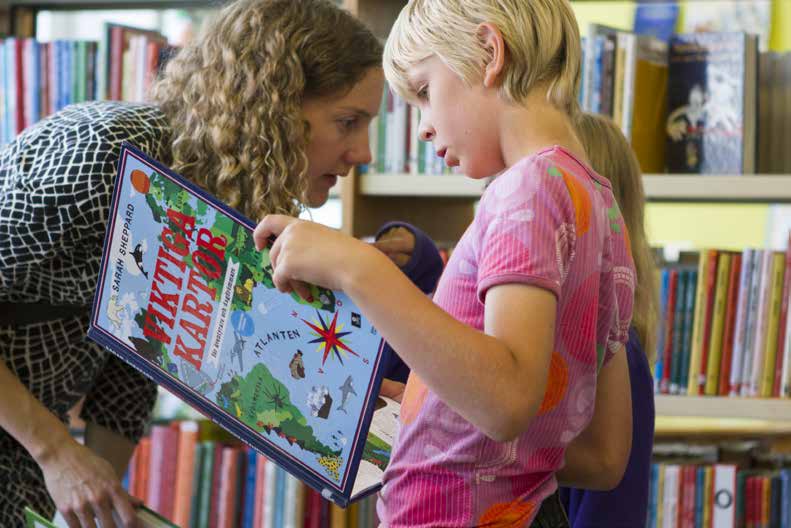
column 649, row 104
column 618, row 78
column 338, row 516
column 717, row 324
column 773, row 326
column 708, row 486
column 353, row 513
column 699, row 324
column 766, row 501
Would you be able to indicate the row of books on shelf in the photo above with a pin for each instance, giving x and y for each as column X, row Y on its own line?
column 40, row 78
column 700, row 103
column 724, row 325
column 197, row 475
column 744, row 484
column 718, row 495
column 704, row 102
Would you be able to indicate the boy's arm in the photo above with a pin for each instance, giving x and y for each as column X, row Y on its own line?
column 597, row 458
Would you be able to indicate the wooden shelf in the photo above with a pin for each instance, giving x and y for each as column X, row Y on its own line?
column 704, row 416
column 658, row 187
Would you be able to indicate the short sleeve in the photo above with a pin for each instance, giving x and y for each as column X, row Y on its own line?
column 525, row 228
column 121, row 399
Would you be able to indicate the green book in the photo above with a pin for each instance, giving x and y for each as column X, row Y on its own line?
column 146, row 519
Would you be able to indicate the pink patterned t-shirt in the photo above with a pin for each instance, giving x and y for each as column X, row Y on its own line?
column 551, row 222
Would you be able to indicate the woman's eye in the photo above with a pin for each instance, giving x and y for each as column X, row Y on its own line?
column 422, row 93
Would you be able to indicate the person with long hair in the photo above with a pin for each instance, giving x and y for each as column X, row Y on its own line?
column 264, row 110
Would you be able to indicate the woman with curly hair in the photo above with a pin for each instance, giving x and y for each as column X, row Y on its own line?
column 264, row 110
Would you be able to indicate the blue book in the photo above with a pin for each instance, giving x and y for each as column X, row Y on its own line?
column 700, row 489
column 656, row 18
column 280, row 496
column 248, row 509
column 653, row 490
column 660, row 343
column 184, row 297
column 678, row 328
column 785, row 493
column 686, row 335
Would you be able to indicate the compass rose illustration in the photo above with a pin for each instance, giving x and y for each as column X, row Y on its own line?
column 330, row 337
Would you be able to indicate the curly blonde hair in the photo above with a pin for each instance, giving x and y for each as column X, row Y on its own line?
column 611, row 156
column 234, row 97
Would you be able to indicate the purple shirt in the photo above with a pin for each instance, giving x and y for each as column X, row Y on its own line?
column 626, row 505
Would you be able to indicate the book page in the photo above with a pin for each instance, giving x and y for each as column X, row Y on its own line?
column 378, row 445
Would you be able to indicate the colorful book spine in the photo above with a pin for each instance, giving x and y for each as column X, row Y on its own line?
column 740, row 330
column 704, row 270
column 773, row 322
column 717, row 325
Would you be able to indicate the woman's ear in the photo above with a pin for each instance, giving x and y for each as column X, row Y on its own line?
column 492, row 39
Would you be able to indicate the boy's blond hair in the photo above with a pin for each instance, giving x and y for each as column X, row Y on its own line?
column 611, row 156
column 541, row 38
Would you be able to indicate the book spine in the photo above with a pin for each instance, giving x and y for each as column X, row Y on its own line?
column 772, row 330
column 699, row 323
column 717, row 324
column 728, row 330
column 745, row 276
column 782, row 359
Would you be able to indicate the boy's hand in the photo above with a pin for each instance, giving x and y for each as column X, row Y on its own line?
column 398, row 243
column 307, row 252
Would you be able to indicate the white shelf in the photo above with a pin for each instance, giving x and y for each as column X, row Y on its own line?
column 658, row 187
column 748, row 188
column 449, row 185
column 720, row 416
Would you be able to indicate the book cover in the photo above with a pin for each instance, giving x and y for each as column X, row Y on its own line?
column 146, row 519
column 185, row 298
column 711, row 125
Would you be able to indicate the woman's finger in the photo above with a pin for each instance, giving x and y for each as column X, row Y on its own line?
column 394, row 245
column 71, row 519
column 103, row 511
column 125, row 504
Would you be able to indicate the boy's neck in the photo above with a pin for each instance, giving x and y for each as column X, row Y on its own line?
column 534, row 126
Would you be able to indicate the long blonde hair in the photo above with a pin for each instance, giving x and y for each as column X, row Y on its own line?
column 541, row 37
column 234, row 97
column 611, row 156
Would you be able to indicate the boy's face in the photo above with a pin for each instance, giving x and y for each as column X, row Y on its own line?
column 339, row 134
column 460, row 120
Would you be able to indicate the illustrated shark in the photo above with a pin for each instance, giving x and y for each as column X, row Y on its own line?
column 346, row 389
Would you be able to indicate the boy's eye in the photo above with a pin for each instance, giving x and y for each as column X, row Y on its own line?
column 348, row 123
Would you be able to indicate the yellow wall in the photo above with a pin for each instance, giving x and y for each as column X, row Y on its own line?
column 780, row 34
column 694, row 225
column 619, row 14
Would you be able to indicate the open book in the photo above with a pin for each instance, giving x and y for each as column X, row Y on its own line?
column 184, row 296
column 146, row 519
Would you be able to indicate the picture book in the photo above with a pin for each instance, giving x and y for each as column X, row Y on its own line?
column 184, row 296
column 145, row 518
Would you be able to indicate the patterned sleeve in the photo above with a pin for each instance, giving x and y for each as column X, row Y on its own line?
column 121, row 399
column 56, row 179
column 521, row 219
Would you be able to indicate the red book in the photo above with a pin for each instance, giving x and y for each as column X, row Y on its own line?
column 730, row 324
column 781, row 330
column 20, row 85
column 667, row 353
column 116, row 63
column 711, row 286
column 687, row 508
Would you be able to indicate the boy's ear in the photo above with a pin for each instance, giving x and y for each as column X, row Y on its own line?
column 492, row 39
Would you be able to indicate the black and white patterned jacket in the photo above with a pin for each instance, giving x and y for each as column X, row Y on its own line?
column 55, row 189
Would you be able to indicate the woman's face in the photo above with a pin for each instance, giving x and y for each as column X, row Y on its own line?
column 339, row 133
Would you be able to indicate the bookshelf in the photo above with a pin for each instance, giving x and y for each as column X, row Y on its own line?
column 773, row 188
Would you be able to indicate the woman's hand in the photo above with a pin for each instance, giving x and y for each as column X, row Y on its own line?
column 398, row 243
column 307, row 252
column 392, row 389
column 85, row 487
